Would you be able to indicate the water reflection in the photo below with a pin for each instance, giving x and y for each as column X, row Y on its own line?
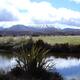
column 66, row 63
column 69, row 67
column 6, row 63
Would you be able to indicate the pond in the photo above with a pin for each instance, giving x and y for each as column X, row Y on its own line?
column 6, row 63
column 69, row 68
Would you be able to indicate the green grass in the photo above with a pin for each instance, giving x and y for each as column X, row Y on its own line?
column 74, row 40
column 10, row 39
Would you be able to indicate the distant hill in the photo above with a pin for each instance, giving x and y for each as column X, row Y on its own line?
column 19, row 28
column 30, row 30
column 1, row 28
column 71, row 31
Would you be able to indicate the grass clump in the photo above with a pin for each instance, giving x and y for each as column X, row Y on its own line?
column 31, row 65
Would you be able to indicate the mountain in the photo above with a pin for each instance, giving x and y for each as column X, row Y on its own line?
column 30, row 30
column 71, row 31
column 1, row 28
column 23, row 28
column 19, row 28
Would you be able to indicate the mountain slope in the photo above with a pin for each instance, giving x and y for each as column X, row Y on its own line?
column 20, row 29
column 1, row 28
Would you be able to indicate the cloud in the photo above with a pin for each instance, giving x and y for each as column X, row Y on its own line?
column 31, row 12
column 6, row 16
column 68, row 17
column 46, row 14
column 76, row 1
column 7, row 12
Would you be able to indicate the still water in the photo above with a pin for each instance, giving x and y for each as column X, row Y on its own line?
column 69, row 68
column 6, row 63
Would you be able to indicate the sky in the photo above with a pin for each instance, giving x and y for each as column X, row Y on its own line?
column 59, row 13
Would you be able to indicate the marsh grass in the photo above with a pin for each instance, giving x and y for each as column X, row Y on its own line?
column 72, row 40
column 27, row 59
column 13, row 40
column 33, row 63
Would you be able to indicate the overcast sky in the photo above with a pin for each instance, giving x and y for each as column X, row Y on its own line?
column 60, row 13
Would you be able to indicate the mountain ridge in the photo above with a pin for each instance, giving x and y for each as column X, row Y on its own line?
column 39, row 30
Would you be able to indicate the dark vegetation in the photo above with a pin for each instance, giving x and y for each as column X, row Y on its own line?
column 57, row 50
column 31, row 56
column 39, row 74
column 31, row 64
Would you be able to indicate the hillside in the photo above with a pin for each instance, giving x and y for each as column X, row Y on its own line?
column 30, row 30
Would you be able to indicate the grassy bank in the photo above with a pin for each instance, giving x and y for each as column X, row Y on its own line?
column 60, row 46
column 73, row 40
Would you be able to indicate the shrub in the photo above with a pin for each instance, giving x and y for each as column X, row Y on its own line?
column 32, row 62
column 31, row 59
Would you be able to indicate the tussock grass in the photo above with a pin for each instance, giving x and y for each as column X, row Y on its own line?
column 32, row 63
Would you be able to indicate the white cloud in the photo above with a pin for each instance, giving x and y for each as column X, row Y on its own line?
column 7, row 16
column 76, row 1
column 50, row 15
column 27, row 12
